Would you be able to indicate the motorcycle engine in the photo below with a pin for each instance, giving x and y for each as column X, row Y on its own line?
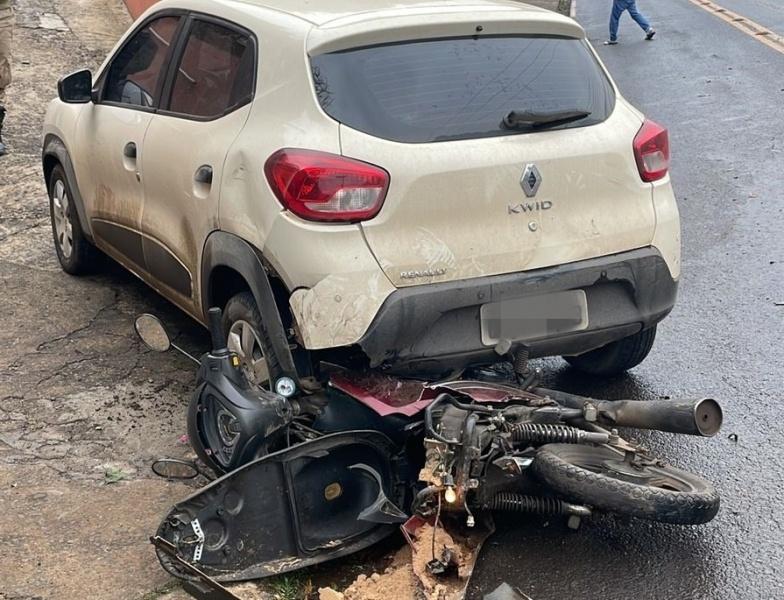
column 475, row 450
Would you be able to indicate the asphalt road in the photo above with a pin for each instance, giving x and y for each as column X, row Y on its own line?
column 721, row 94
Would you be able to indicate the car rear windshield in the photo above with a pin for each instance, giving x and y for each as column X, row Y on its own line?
column 461, row 88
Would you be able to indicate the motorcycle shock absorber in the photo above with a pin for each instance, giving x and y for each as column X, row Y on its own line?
column 543, row 433
column 540, row 505
column 520, row 364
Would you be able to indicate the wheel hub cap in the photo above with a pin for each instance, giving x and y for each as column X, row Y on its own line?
column 61, row 213
column 244, row 342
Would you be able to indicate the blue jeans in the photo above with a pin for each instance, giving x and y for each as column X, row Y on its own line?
column 617, row 10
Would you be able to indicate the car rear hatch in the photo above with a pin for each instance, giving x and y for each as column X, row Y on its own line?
column 468, row 195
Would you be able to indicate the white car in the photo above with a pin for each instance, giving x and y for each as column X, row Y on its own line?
column 413, row 187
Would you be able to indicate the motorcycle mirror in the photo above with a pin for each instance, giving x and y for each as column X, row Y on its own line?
column 173, row 468
column 152, row 332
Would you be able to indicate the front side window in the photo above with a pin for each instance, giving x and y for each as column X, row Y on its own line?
column 137, row 72
column 216, row 72
column 462, row 88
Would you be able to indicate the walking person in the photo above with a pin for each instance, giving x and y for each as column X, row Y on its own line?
column 6, row 36
column 617, row 10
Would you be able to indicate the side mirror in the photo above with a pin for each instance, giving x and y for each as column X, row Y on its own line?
column 152, row 332
column 76, row 88
column 174, row 468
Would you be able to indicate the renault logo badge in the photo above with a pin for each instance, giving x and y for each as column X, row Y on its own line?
column 531, row 180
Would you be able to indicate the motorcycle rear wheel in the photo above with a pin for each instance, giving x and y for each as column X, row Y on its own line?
column 603, row 478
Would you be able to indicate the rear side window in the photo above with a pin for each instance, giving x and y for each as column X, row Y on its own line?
column 215, row 74
column 136, row 73
column 462, row 88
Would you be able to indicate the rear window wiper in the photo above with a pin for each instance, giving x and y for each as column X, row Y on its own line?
column 540, row 120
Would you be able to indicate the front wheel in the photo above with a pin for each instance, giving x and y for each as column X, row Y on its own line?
column 616, row 357
column 606, row 479
column 76, row 254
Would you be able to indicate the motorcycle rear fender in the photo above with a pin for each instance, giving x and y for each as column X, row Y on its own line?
column 285, row 511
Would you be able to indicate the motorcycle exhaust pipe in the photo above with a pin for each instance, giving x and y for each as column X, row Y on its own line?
column 691, row 417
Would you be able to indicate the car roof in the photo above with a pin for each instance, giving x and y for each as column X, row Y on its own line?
column 320, row 12
column 334, row 25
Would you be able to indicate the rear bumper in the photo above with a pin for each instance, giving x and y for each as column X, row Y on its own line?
column 432, row 328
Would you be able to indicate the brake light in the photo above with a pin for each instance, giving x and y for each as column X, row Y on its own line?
column 652, row 151
column 325, row 187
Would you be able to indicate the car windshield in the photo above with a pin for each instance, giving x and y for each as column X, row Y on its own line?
column 460, row 88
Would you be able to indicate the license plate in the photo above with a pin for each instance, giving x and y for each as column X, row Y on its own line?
column 534, row 317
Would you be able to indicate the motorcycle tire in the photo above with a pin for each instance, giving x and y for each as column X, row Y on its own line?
column 602, row 478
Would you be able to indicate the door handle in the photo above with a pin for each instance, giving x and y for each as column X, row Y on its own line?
column 203, row 175
column 130, row 150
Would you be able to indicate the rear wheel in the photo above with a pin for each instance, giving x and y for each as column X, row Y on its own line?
column 616, row 357
column 606, row 479
column 247, row 338
column 76, row 254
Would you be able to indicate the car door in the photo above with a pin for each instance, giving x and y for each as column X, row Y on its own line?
column 207, row 102
column 110, row 138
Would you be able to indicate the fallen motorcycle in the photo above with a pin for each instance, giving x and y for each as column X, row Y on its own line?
column 313, row 471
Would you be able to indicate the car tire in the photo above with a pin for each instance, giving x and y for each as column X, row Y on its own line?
column 616, row 357
column 76, row 254
column 247, row 337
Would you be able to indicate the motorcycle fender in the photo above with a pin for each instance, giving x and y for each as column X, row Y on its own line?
column 287, row 510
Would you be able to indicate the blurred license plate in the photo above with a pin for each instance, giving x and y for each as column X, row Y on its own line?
column 534, row 317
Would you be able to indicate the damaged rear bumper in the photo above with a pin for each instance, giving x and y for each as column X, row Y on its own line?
column 426, row 329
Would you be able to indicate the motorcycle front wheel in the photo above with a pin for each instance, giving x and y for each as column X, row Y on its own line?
column 608, row 480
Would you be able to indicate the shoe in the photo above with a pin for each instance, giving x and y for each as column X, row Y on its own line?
column 650, row 33
column 2, row 118
column 611, row 42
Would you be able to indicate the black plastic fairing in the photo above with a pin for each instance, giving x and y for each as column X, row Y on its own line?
column 285, row 511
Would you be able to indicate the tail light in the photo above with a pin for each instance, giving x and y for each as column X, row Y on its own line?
column 652, row 151
column 325, row 187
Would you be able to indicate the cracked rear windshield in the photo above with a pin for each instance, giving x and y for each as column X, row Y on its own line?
column 451, row 89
